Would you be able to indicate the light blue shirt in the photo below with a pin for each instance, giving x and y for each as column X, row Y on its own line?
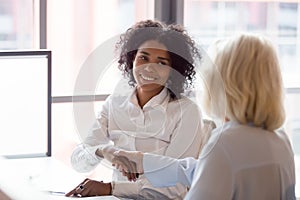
column 239, row 162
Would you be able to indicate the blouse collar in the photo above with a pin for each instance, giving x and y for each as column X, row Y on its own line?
column 161, row 99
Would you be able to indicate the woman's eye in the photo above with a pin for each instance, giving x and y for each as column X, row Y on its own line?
column 142, row 58
column 162, row 63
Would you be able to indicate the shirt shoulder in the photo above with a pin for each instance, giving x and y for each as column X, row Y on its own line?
column 184, row 102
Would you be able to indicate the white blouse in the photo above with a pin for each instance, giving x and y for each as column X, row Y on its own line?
column 239, row 162
column 163, row 126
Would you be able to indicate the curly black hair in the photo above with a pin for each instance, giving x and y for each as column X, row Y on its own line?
column 181, row 48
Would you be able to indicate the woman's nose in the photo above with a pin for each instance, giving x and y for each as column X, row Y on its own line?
column 149, row 67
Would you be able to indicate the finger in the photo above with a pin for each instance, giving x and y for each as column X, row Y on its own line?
column 120, row 166
column 124, row 173
column 87, row 186
column 83, row 182
column 117, row 166
column 82, row 187
column 127, row 175
column 71, row 193
column 121, row 153
column 132, row 171
column 122, row 163
column 132, row 176
column 86, row 192
column 128, row 168
column 86, row 181
column 76, row 190
column 134, row 168
column 129, row 164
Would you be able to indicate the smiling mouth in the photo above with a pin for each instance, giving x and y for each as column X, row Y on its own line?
column 148, row 78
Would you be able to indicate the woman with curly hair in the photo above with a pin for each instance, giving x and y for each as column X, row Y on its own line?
column 159, row 61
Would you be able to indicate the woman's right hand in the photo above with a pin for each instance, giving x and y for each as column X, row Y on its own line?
column 106, row 152
column 130, row 163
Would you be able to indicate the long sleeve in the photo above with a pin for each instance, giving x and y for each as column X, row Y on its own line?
column 164, row 171
column 203, row 175
column 185, row 140
column 212, row 173
column 143, row 189
column 83, row 158
column 186, row 137
column 259, row 166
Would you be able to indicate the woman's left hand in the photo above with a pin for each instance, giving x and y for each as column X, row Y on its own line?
column 89, row 188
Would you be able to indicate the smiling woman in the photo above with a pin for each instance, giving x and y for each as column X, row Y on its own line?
column 151, row 70
column 180, row 55
column 153, row 117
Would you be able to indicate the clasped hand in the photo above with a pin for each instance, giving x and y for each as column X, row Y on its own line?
column 130, row 163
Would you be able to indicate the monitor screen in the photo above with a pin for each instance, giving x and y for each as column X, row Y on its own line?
column 25, row 105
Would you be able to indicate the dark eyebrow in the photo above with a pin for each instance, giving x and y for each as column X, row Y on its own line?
column 144, row 52
column 161, row 58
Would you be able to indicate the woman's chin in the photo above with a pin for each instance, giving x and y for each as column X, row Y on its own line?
column 151, row 87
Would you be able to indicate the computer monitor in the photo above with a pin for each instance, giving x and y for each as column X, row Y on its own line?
column 25, row 103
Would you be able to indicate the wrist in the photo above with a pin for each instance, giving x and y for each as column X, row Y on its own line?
column 110, row 188
column 99, row 152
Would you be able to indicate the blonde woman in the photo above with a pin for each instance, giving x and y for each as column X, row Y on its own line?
column 250, row 156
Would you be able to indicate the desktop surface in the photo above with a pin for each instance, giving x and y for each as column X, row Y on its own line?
column 25, row 178
column 33, row 178
column 54, row 197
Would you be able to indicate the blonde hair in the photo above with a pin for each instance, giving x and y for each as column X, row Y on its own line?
column 252, row 85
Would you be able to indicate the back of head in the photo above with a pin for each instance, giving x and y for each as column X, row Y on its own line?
column 250, row 71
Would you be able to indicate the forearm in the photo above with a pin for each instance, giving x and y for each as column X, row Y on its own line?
column 142, row 189
column 106, row 152
column 164, row 171
column 84, row 159
column 125, row 189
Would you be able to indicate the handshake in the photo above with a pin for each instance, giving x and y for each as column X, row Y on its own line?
column 130, row 163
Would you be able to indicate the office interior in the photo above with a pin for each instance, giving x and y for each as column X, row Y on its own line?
column 68, row 32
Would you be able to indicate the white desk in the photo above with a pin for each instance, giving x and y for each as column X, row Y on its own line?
column 25, row 178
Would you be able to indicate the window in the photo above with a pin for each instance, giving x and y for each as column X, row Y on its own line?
column 25, row 106
column 274, row 19
column 75, row 30
column 19, row 24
